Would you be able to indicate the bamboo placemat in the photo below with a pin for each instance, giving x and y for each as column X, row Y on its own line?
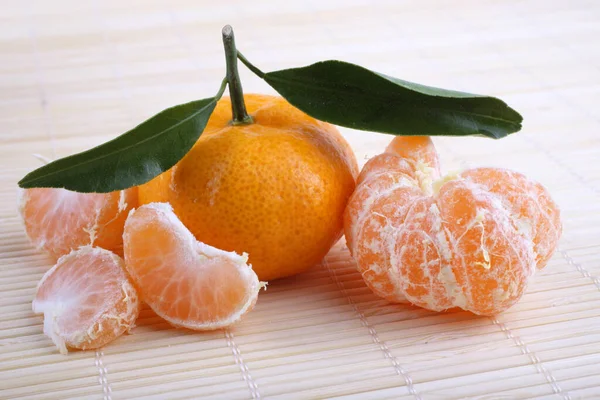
column 73, row 74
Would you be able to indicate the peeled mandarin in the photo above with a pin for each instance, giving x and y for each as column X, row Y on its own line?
column 471, row 240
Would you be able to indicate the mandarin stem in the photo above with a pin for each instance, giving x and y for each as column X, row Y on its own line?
column 238, row 107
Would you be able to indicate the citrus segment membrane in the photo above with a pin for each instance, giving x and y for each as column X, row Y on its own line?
column 186, row 282
column 87, row 299
column 58, row 220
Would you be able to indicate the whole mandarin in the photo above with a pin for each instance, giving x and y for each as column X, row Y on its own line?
column 275, row 189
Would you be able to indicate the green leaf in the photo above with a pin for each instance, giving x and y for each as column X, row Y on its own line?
column 133, row 158
column 355, row 97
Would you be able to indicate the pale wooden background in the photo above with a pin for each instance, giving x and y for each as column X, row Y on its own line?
column 74, row 74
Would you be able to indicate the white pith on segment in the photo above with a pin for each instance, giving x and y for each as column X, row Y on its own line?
column 401, row 209
column 60, row 203
column 190, row 258
column 58, row 217
column 70, row 319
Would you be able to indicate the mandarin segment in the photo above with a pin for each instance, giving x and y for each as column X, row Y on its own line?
column 87, row 299
column 530, row 204
column 495, row 260
column 59, row 221
column 275, row 189
column 417, row 151
column 471, row 240
column 186, row 282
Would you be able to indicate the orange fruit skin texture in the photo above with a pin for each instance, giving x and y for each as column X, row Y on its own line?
column 188, row 283
column 471, row 240
column 58, row 220
column 87, row 299
column 275, row 189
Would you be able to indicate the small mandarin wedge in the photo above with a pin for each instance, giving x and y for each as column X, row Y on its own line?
column 87, row 299
column 471, row 240
column 186, row 282
column 58, row 220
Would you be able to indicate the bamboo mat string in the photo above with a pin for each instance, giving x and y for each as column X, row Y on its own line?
column 103, row 375
column 239, row 361
column 539, row 365
column 373, row 333
column 595, row 279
